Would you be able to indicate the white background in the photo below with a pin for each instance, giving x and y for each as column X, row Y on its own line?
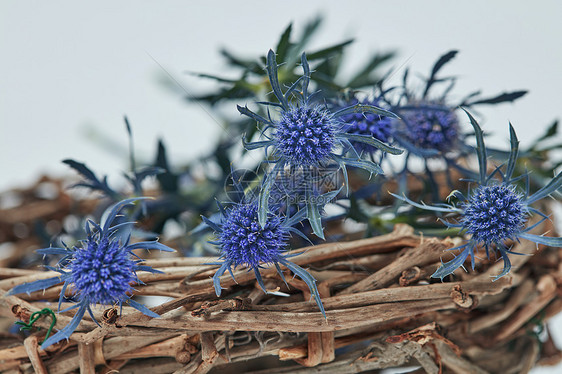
column 66, row 68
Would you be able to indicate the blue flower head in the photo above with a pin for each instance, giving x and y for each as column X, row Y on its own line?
column 100, row 270
column 429, row 126
column 245, row 242
column 494, row 213
column 307, row 135
column 103, row 271
column 368, row 124
column 432, row 127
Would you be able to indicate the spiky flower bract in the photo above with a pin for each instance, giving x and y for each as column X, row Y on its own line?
column 494, row 213
column 100, row 270
column 306, row 135
column 243, row 241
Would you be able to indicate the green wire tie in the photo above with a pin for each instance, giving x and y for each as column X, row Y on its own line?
column 35, row 316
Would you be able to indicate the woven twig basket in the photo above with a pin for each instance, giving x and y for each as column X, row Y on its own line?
column 382, row 308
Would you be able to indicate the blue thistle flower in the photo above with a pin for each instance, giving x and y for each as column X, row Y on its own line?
column 245, row 242
column 100, row 270
column 368, row 124
column 432, row 128
column 494, row 212
column 307, row 135
column 429, row 126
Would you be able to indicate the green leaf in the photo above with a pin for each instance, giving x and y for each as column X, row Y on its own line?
column 263, row 200
column 325, row 81
column 355, row 212
column 442, row 61
column 168, row 181
column 329, row 51
column 550, row 132
column 235, row 92
column 213, row 77
column 296, row 49
column 284, row 43
column 501, row 98
column 438, row 65
column 550, row 148
column 552, row 186
column 361, row 79
column 248, row 65
column 327, row 70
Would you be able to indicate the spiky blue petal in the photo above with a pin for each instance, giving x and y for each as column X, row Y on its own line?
column 449, row 209
column 68, row 329
column 54, row 251
column 541, row 239
column 112, row 212
column 449, row 267
column 506, row 262
column 554, row 185
column 216, row 278
column 513, row 153
column 480, row 148
column 308, row 279
column 156, row 245
column 37, row 285
column 143, row 309
column 373, row 142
